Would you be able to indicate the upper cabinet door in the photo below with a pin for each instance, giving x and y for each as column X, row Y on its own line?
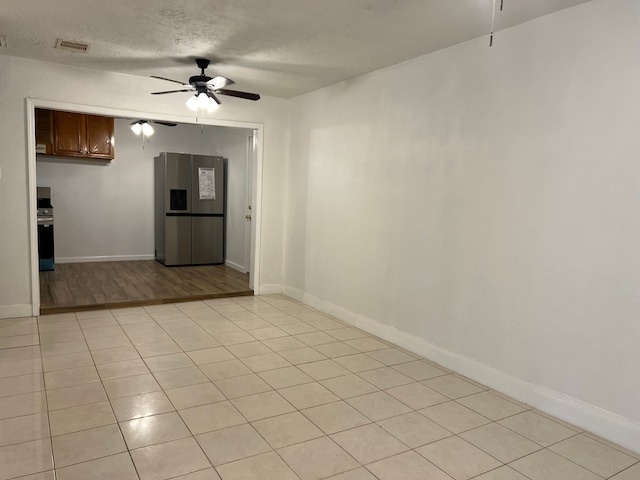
column 44, row 131
column 69, row 133
column 99, row 143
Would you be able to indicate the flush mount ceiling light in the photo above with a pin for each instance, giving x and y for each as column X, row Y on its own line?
column 142, row 127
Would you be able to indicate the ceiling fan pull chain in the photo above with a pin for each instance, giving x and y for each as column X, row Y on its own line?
column 493, row 20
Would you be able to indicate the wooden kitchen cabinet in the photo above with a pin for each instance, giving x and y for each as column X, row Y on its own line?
column 99, row 140
column 68, row 134
column 44, row 130
column 82, row 135
column 71, row 134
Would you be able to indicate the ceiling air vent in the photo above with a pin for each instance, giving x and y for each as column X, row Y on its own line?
column 71, row 46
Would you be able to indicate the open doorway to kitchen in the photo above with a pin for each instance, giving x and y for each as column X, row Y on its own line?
column 104, row 217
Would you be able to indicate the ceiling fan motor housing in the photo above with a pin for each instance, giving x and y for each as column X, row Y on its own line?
column 199, row 80
column 202, row 63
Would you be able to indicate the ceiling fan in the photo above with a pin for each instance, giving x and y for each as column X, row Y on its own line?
column 144, row 126
column 206, row 88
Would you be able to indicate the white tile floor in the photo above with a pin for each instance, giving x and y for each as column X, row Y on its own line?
column 261, row 388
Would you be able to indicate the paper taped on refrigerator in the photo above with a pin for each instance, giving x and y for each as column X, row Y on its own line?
column 207, row 183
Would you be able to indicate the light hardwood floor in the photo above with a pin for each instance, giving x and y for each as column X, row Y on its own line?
column 90, row 286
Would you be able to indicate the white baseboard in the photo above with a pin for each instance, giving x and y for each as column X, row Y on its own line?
column 15, row 311
column 269, row 289
column 621, row 430
column 608, row 425
column 235, row 266
column 104, row 258
column 296, row 295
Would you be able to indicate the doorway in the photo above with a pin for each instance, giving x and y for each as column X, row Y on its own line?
column 151, row 150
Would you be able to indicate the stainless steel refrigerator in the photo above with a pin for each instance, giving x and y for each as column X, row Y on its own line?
column 190, row 209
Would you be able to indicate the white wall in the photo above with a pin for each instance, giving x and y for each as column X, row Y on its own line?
column 104, row 210
column 21, row 79
column 482, row 205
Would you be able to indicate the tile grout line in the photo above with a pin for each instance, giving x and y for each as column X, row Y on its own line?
column 573, row 461
column 46, row 399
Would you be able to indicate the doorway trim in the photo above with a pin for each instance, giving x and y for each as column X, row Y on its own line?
column 33, row 103
column 250, row 194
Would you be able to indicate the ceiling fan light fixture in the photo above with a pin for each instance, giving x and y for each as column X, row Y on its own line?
column 142, row 127
column 147, row 129
column 203, row 101
column 136, row 128
column 212, row 102
column 192, row 103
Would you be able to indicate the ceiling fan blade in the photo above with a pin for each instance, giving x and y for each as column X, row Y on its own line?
column 236, row 93
column 210, row 94
column 172, row 91
column 220, row 82
column 167, row 79
column 166, row 124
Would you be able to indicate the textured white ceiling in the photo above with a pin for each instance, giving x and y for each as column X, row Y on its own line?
column 281, row 48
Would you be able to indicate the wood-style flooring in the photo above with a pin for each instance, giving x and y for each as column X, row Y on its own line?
column 92, row 286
